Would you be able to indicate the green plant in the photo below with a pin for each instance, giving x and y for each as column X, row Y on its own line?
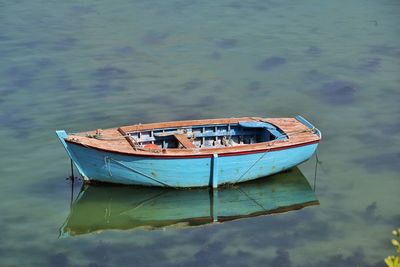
column 394, row 261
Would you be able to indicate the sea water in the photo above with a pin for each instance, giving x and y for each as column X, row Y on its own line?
column 82, row 65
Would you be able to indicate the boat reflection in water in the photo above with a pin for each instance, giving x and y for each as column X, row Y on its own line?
column 103, row 207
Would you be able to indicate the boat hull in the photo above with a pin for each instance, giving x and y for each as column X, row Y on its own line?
column 213, row 170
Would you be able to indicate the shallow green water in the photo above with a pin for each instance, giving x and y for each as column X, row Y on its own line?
column 79, row 66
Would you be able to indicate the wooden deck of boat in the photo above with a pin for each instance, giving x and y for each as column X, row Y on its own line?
column 113, row 139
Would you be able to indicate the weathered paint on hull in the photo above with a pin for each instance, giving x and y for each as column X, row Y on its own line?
column 104, row 166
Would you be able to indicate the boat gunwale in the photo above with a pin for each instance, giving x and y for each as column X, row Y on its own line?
column 170, row 153
column 204, row 154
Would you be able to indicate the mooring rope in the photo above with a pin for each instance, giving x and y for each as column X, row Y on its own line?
column 317, row 161
column 262, row 156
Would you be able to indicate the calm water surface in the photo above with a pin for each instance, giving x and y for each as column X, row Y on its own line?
column 80, row 65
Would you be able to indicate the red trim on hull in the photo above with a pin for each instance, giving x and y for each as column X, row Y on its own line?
column 228, row 154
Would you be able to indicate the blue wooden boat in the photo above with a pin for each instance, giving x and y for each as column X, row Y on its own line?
column 192, row 153
column 99, row 207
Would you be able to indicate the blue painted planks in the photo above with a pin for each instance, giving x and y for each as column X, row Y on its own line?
column 185, row 172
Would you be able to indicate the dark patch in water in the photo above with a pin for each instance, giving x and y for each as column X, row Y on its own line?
column 30, row 44
column 44, row 63
column 385, row 50
column 370, row 65
column 394, row 220
column 110, row 79
column 65, row 43
column 380, row 162
column 154, row 38
column 367, row 139
column 60, row 186
column 20, row 77
column 391, row 128
column 338, row 92
column 251, row 6
column 110, row 72
column 314, row 229
column 356, row 259
column 64, row 82
column 313, row 51
column 102, row 88
column 227, row 43
column 83, row 10
column 317, row 230
column 314, row 30
column 210, row 254
column 125, row 50
column 192, row 115
column 181, row 6
column 95, row 264
column 271, row 63
column 104, row 253
column 254, row 86
column 215, row 55
column 59, row 260
column 236, row 5
column 205, row 101
column 192, row 85
column 282, row 258
column 138, row 116
column 315, row 76
column 5, row 91
column 4, row 38
column 160, row 100
column 370, row 210
column 18, row 121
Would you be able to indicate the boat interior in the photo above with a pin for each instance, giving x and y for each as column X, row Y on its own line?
column 207, row 136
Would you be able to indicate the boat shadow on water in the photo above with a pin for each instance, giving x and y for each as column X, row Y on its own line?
column 101, row 207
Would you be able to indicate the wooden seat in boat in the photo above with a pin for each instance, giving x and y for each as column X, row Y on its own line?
column 184, row 141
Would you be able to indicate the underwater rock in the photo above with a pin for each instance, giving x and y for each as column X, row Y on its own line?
column 215, row 55
column 110, row 72
column 20, row 77
column 206, row 101
column 315, row 76
column 227, row 43
column 282, row 258
column 385, row 50
column 271, row 63
column 380, row 162
column 370, row 65
column 65, row 43
column 125, row 50
column 154, row 38
column 313, row 51
column 370, row 210
column 338, row 92
column 191, row 85
column 254, row 86
column 59, row 259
